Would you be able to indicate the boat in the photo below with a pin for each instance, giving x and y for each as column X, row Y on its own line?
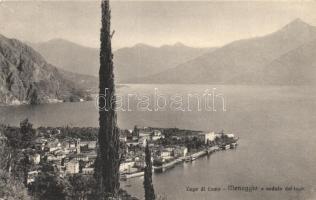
column 225, row 147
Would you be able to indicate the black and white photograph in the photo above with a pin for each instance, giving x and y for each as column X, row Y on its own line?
column 157, row 100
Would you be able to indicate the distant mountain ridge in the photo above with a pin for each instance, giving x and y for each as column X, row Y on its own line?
column 69, row 56
column 129, row 63
column 245, row 61
column 249, row 61
column 26, row 77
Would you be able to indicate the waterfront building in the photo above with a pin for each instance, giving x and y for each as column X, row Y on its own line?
column 180, row 151
column 230, row 135
column 166, row 154
column 207, row 137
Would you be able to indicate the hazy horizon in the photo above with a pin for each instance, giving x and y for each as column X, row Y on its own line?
column 196, row 24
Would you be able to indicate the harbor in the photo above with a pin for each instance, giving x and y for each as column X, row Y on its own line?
column 163, row 165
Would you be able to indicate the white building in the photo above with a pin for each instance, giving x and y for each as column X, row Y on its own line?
column 166, row 153
column 230, row 135
column 208, row 137
column 72, row 167
column 156, row 135
column 181, row 151
column 88, row 170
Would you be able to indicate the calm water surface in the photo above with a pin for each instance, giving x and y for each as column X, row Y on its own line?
column 276, row 126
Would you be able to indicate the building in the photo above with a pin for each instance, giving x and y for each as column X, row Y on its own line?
column 180, row 151
column 143, row 141
column 230, row 135
column 207, row 137
column 83, row 157
column 88, row 170
column 166, row 154
column 72, row 145
column 150, row 134
column 125, row 166
column 89, row 144
column 156, row 135
column 72, row 167
column 123, row 138
column 52, row 145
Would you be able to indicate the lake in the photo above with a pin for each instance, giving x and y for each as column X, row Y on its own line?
column 276, row 126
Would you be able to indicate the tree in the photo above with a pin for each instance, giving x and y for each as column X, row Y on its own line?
column 10, row 188
column 107, row 163
column 27, row 134
column 148, row 185
column 135, row 131
column 34, row 98
column 20, row 141
column 81, row 186
column 49, row 185
column 81, row 165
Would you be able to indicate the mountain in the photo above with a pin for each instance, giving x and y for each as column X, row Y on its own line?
column 88, row 83
column 244, row 61
column 143, row 60
column 69, row 56
column 130, row 63
column 25, row 77
column 297, row 67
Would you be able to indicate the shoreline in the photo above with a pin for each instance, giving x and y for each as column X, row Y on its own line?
column 189, row 158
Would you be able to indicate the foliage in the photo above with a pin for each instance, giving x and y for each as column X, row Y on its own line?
column 82, row 186
column 49, row 185
column 20, row 141
column 194, row 144
column 83, row 133
column 148, row 185
column 11, row 189
column 34, row 97
column 108, row 158
column 135, row 131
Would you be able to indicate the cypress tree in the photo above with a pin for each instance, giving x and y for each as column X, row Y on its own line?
column 107, row 163
column 148, row 185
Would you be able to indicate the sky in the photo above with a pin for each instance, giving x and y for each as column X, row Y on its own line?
column 193, row 23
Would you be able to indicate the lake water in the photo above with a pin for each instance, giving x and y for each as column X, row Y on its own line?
column 276, row 126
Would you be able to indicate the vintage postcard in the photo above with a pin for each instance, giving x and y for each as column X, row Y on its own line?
column 157, row 100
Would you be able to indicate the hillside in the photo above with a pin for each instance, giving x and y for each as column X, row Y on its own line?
column 69, row 56
column 130, row 63
column 25, row 77
column 242, row 62
column 143, row 60
column 297, row 67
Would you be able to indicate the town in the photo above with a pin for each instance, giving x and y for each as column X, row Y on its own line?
column 73, row 150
